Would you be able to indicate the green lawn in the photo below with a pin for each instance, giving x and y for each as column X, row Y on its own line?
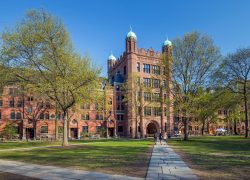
column 27, row 144
column 216, row 157
column 121, row 156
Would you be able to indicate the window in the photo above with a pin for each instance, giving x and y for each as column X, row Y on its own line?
column 85, row 129
column 124, row 70
column 156, row 83
column 41, row 116
column 12, row 103
column 85, row 116
column 99, row 117
column 18, row 115
column 98, row 128
column 147, row 111
column 146, row 68
column 219, row 112
column 0, row 115
column 47, row 116
column 157, row 111
column 156, row 97
column 1, row 103
column 138, row 67
column 147, row 96
column 118, row 97
column 147, row 82
column 120, row 129
column 225, row 112
column 165, row 111
column 19, row 103
column 164, row 83
column 30, row 98
column 117, row 88
column 119, row 117
column 13, row 91
column 156, row 70
column 44, row 129
column 96, row 106
column 12, row 115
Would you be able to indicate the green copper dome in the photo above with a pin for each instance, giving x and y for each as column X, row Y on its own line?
column 111, row 57
column 131, row 34
column 167, row 43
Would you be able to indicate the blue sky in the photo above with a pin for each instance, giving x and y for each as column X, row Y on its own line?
column 98, row 27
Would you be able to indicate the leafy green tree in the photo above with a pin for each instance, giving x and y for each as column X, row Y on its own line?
column 9, row 131
column 234, row 74
column 41, row 50
column 194, row 59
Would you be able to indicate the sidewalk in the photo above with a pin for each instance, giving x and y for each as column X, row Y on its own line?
column 166, row 164
column 56, row 173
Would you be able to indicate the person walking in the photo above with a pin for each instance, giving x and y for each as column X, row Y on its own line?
column 160, row 137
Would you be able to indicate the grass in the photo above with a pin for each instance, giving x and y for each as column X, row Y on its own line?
column 217, row 157
column 28, row 144
column 128, row 157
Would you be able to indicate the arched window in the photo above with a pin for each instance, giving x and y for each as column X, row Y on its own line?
column 44, row 128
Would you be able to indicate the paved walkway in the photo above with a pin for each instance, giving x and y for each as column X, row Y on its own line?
column 166, row 164
column 56, row 173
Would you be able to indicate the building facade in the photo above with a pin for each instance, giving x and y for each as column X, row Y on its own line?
column 35, row 116
column 138, row 67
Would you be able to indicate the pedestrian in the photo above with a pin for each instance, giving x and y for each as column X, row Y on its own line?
column 155, row 138
column 160, row 137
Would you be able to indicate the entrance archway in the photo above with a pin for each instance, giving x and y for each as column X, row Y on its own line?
column 151, row 129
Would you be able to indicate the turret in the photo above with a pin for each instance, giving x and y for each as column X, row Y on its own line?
column 131, row 41
column 111, row 61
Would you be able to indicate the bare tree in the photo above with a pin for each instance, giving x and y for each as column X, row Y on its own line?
column 236, row 77
column 194, row 58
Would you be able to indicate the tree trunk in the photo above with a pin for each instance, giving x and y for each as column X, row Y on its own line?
column 136, row 127
column 141, row 114
column 56, row 128
column 56, row 124
column 246, row 112
column 185, row 128
column 65, row 130
column 141, row 123
column 203, row 127
column 235, row 127
column 34, row 127
column 208, row 124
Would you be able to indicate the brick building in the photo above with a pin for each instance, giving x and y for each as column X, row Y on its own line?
column 90, row 118
column 23, row 110
column 152, row 69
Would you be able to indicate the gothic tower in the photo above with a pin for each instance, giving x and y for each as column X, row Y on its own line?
column 167, row 58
